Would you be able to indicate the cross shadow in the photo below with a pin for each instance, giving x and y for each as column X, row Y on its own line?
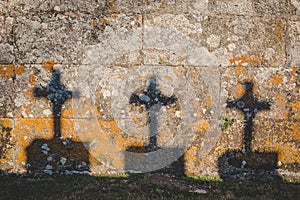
column 57, row 155
column 153, row 100
column 247, row 163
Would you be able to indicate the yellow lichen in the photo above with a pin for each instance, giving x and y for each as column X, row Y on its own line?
column 240, row 62
column 49, row 65
column 203, row 126
column 277, row 80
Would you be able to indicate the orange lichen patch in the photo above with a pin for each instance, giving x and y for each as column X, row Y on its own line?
column 112, row 132
column 68, row 129
column 31, row 80
column 49, row 65
column 191, row 155
column 286, row 153
column 105, row 21
column 240, row 70
column 203, row 126
column 133, row 141
column 295, row 104
column 94, row 23
column 29, row 129
column 6, row 122
column 239, row 91
column 208, row 101
column 281, row 106
column 67, row 112
column 246, row 59
column 277, row 80
column 114, row 16
column 10, row 71
column 294, row 131
column 294, row 74
column 136, row 120
column 20, row 70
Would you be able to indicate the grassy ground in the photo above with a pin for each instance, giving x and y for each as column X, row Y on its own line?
column 141, row 186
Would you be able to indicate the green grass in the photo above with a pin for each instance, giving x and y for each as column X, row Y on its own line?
column 205, row 178
column 141, row 186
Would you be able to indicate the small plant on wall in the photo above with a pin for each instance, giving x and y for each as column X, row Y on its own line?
column 226, row 122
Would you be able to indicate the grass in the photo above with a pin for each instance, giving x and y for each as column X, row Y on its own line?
column 141, row 186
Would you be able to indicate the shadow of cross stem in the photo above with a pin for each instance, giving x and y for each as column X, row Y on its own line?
column 249, row 105
column 58, row 94
column 153, row 100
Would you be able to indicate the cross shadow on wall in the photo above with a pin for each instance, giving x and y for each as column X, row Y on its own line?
column 57, row 155
column 247, row 163
column 141, row 157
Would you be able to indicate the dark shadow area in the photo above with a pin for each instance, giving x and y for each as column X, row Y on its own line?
column 61, row 155
column 56, row 155
column 153, row 100
column 248, row 163
column 141, row 186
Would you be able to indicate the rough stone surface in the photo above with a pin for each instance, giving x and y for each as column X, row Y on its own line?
column 199, row 51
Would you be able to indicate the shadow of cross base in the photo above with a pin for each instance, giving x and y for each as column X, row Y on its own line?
column 152, row 99
column 57, row 155
column 248, row 163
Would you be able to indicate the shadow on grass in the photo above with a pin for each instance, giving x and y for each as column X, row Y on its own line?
column 140, row 186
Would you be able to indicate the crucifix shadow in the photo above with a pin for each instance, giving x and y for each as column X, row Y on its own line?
column 57, row 155
column 247, row 162
column 153, row 100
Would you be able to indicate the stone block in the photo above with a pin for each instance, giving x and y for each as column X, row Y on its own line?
column 212, row 40
column 274, row 7
column 231, row 7
column 293, row 46
column 278, row 86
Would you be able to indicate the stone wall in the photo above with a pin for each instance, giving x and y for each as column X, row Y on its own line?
column 108, row 86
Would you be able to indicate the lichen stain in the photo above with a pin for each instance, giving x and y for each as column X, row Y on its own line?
column 239, row 91
column 31, row 80
column 276, row 80
column 280, row 104
column 48, row 65
column 113, row 6
column 295, row 104
column 191, row 155
column 11, row 71
column 27, row 130
column 203, row 126
column 240, row 62
column 284, row 142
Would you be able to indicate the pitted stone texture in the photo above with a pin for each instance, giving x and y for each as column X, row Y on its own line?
column 63, row 37
column 293, row 43
column 23, row 7
column 114, row 33
column 6, row 25
column 14, row 80
column 7, row 55
column 274, row 7
column 47, row 37
column 212, row 41
column 278, row 86
column 280, row 137
column 112, row 88
column 232, row 7
column 18, row 83
column 296, row 3
column 229, row 37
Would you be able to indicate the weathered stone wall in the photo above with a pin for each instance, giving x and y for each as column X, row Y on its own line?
column 94, row 55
